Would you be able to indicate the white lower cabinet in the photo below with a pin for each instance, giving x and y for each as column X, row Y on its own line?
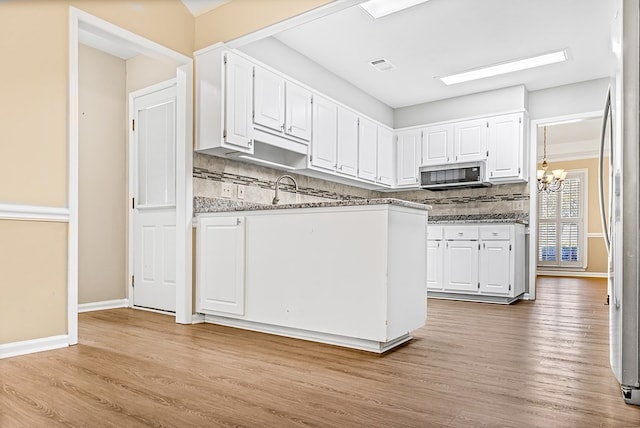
column 220, row 262
column 482, row 262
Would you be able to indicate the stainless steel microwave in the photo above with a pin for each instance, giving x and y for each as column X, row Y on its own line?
column 450, row 176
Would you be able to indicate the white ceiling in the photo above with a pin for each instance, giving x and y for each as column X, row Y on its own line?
column 441, row 37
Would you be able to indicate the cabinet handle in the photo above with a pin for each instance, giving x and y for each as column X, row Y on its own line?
column 460, row 233
column 494, row 233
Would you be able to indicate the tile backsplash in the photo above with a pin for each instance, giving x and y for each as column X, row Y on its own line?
column 258, row 183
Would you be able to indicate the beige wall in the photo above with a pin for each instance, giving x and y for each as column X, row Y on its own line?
column 102, row 177
column 241, row 17
column 144, row 71
column 597, row 253
column 33, row 280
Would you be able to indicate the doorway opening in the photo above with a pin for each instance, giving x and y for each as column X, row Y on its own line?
column 88, row 31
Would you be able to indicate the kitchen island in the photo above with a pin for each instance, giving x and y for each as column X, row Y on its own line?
column 349, row 273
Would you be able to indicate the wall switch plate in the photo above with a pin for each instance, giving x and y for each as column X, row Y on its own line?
column 228, row 190
column 241, row 189
column 518, row 205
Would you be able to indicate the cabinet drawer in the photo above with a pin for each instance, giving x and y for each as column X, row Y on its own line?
column 461, row 233
column 434, row 232
column 495, row 232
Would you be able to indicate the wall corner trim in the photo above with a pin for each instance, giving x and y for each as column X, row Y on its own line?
column 197, row 319
column 33, row 213
column 103, row 305
column 35, row 345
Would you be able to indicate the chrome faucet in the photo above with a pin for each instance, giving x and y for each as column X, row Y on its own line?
column 293, row 180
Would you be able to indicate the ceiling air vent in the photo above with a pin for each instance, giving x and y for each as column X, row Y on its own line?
column 382, row 65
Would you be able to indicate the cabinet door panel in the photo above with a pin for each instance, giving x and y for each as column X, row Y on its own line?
column 298, row 112
column 386, row 157
column 495, row 267
column 461, row 266
column 268, row 99
column 435, row 265
column 470, row 141
column 323, row 143
column 347, row 142
column 221, row 255
column 367, row 150
column 437, row 145
column 505, row 145
column 238, row 105
column 408, row 150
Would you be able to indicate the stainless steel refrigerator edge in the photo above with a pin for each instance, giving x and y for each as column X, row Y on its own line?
column 624, row 337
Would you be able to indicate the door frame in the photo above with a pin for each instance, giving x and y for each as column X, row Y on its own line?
column 533, row 189
column 79, row 19
column 133, row 168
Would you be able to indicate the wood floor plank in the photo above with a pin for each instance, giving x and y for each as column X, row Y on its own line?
column 531, row 364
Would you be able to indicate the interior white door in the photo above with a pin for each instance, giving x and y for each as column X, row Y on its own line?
column 154, row 207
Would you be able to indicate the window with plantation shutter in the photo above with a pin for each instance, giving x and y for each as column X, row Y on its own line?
column 561, row 224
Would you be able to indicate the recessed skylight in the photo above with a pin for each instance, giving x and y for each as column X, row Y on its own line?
column 505, row 67
column 382, row 65
column 379, row 8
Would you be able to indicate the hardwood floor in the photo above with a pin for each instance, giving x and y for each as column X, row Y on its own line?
column 532, row 364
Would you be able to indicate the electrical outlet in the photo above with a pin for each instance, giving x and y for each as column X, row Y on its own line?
column 518, row 205
column 241, row 189
column 228, row 190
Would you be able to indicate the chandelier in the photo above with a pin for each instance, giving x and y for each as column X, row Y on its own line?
column 549, row 181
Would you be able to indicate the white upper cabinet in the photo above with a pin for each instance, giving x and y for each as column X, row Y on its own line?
column 298, row 104
column 470, row 140
column 367, row 150
column 437, row 145
column 386, row 157
column 281, row 106
column 506, row 161
column 408, row 149
column 455, row 142
column 347, row 142
column 268, row 99
column 223, row 102
column 324, row 134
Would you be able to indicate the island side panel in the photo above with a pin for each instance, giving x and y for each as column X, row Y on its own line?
column 320, row 270
column 407, row 288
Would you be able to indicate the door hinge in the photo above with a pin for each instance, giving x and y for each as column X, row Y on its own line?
column 224, row 59
column 133, row 203
column 311, row 158
column 311, row 99
column 478, row 286
column 254, row 72
column 519, row 120
column 133, row 124
column 478, row 245
column 224, row 133
column 519, row 170
column 133, row 280
column 487, row 124
column 509, row 247
column 487, row 153
column 509, row 287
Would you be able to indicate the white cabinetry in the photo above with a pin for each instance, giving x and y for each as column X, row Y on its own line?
column 435, row 258
column 461, row 259
column 507, row 151
column 479, row 262
column 281, row 106
column 455, row 142
column 408, row 149
column 367, row 150
column 325, row 134
column 347, row 142
column 223, row 102
column 470, row 140
column 386, row 157
column 437, row 145
column 221, row 265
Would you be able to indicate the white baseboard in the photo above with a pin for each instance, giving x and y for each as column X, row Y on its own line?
column 35, row 345
column 572, row 274
column 197, row 319
column 100, row 306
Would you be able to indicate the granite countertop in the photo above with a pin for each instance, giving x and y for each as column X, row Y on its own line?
column 479, row 218
column 212, row 205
